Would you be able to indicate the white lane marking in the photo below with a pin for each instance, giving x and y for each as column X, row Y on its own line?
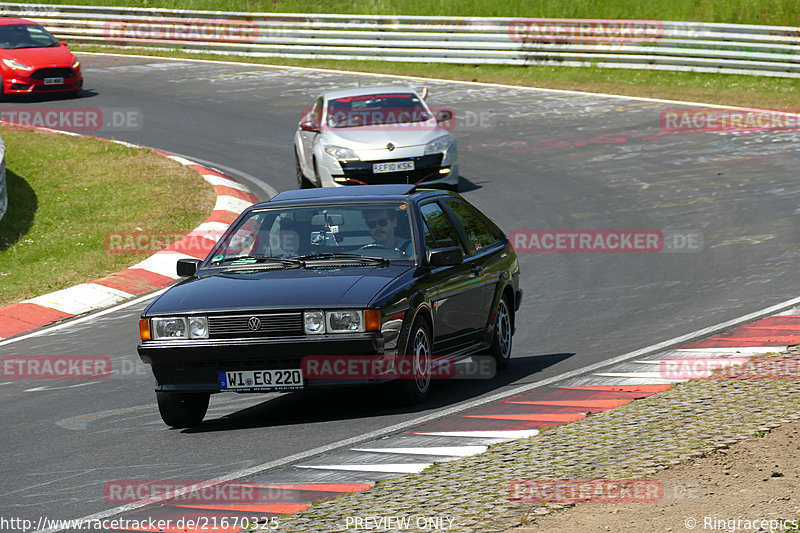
column 473, row 83
column 80, row 298
column 231, row 203
column 6, row 383
column 81, row 422
column 81, row 320
column 718, row 360
column 656, row 378
column 40, row 389
column 450, row 451
column 181, row 160
column 410, row 468
column 225, row 182
column 739, row 350
column 504, row 435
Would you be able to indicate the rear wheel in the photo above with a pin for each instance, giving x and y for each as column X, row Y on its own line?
column 503, row 332
column 415, row 381
column 182, row 410
column 302, row 182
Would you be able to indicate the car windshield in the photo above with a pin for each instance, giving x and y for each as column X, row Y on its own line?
column 376, row 110
column 328, row 232
column 25, row 36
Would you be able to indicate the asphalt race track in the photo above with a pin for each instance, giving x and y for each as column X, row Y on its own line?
column 529, row 159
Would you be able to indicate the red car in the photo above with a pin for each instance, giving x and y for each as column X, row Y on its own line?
column 33, row 61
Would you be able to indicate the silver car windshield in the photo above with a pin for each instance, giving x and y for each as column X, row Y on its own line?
column 361, row 230
column 376, row 110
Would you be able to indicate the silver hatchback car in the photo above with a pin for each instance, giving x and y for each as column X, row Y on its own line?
column 375, row 135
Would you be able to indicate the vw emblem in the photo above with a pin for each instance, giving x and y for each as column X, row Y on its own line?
column 390, row 147
column 254, row 324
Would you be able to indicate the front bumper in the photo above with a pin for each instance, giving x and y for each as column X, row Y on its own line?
column 194, row 365
column 19, row 82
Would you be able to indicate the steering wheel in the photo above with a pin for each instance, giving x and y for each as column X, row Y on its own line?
column 374, row 245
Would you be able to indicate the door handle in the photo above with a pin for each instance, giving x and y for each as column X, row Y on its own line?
column 477, row 269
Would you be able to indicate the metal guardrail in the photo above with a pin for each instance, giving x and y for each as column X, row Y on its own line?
column 3, row 188
column 640, row 44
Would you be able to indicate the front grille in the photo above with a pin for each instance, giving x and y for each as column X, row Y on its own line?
column 62, row 72
column 425, row 167
column 270, row 325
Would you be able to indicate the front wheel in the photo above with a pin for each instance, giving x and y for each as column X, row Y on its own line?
column 302, row 182
column 182, row 410
column 503, row 331
column 415, row 376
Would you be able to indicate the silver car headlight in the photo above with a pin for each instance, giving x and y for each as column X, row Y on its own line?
column 341, row 153
column 198, row 327
column 314, row 322
column 195, row 327
column 438, row 145
column 347, row 321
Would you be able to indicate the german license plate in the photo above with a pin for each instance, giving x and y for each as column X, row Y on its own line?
column 260, row 380
column 53, row 81
column 397, row 166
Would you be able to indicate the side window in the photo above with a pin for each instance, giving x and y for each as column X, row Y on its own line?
column 478, row 231
column 444, row 233
column 430, row 242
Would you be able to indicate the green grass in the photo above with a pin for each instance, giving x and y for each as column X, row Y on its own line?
column 67, row 193
column 772, row 12
column 727, row 89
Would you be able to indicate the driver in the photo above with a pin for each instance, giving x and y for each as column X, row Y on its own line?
column 381, row 224
column 289, row 239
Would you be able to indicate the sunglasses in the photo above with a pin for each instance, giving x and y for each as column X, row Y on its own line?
column 373, row 223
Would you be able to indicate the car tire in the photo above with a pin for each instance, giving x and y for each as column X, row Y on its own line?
column 318, row 182
column 302, row 181
column 182, row 410
column 503, row 334
column 414, row 389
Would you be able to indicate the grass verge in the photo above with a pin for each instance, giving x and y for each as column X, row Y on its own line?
column 67, row 193
column 724, row 89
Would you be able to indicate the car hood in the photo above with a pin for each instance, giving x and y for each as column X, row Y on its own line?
column 379, row 137
column 235, row 290
column 41, row 57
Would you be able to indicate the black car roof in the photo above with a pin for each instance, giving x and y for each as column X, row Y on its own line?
column 340, row 192
column 356, row 193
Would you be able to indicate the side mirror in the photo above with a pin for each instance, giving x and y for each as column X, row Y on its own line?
column 449, row 256
column 187, row 267
column 424, row 93
column 308, row 125
column 62, row 43
column 443, row 115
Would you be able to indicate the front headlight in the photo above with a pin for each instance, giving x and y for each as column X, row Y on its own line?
column 198, row 327
column 76, row 64
column 314, row 322
column 16, row 64
column 169, row 328
column 438, row 145
column 340, row 153
column 349, row 321
column 194, row 327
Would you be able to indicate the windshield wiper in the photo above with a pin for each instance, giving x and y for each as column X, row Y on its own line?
column 258, row 258
column 381, row 260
